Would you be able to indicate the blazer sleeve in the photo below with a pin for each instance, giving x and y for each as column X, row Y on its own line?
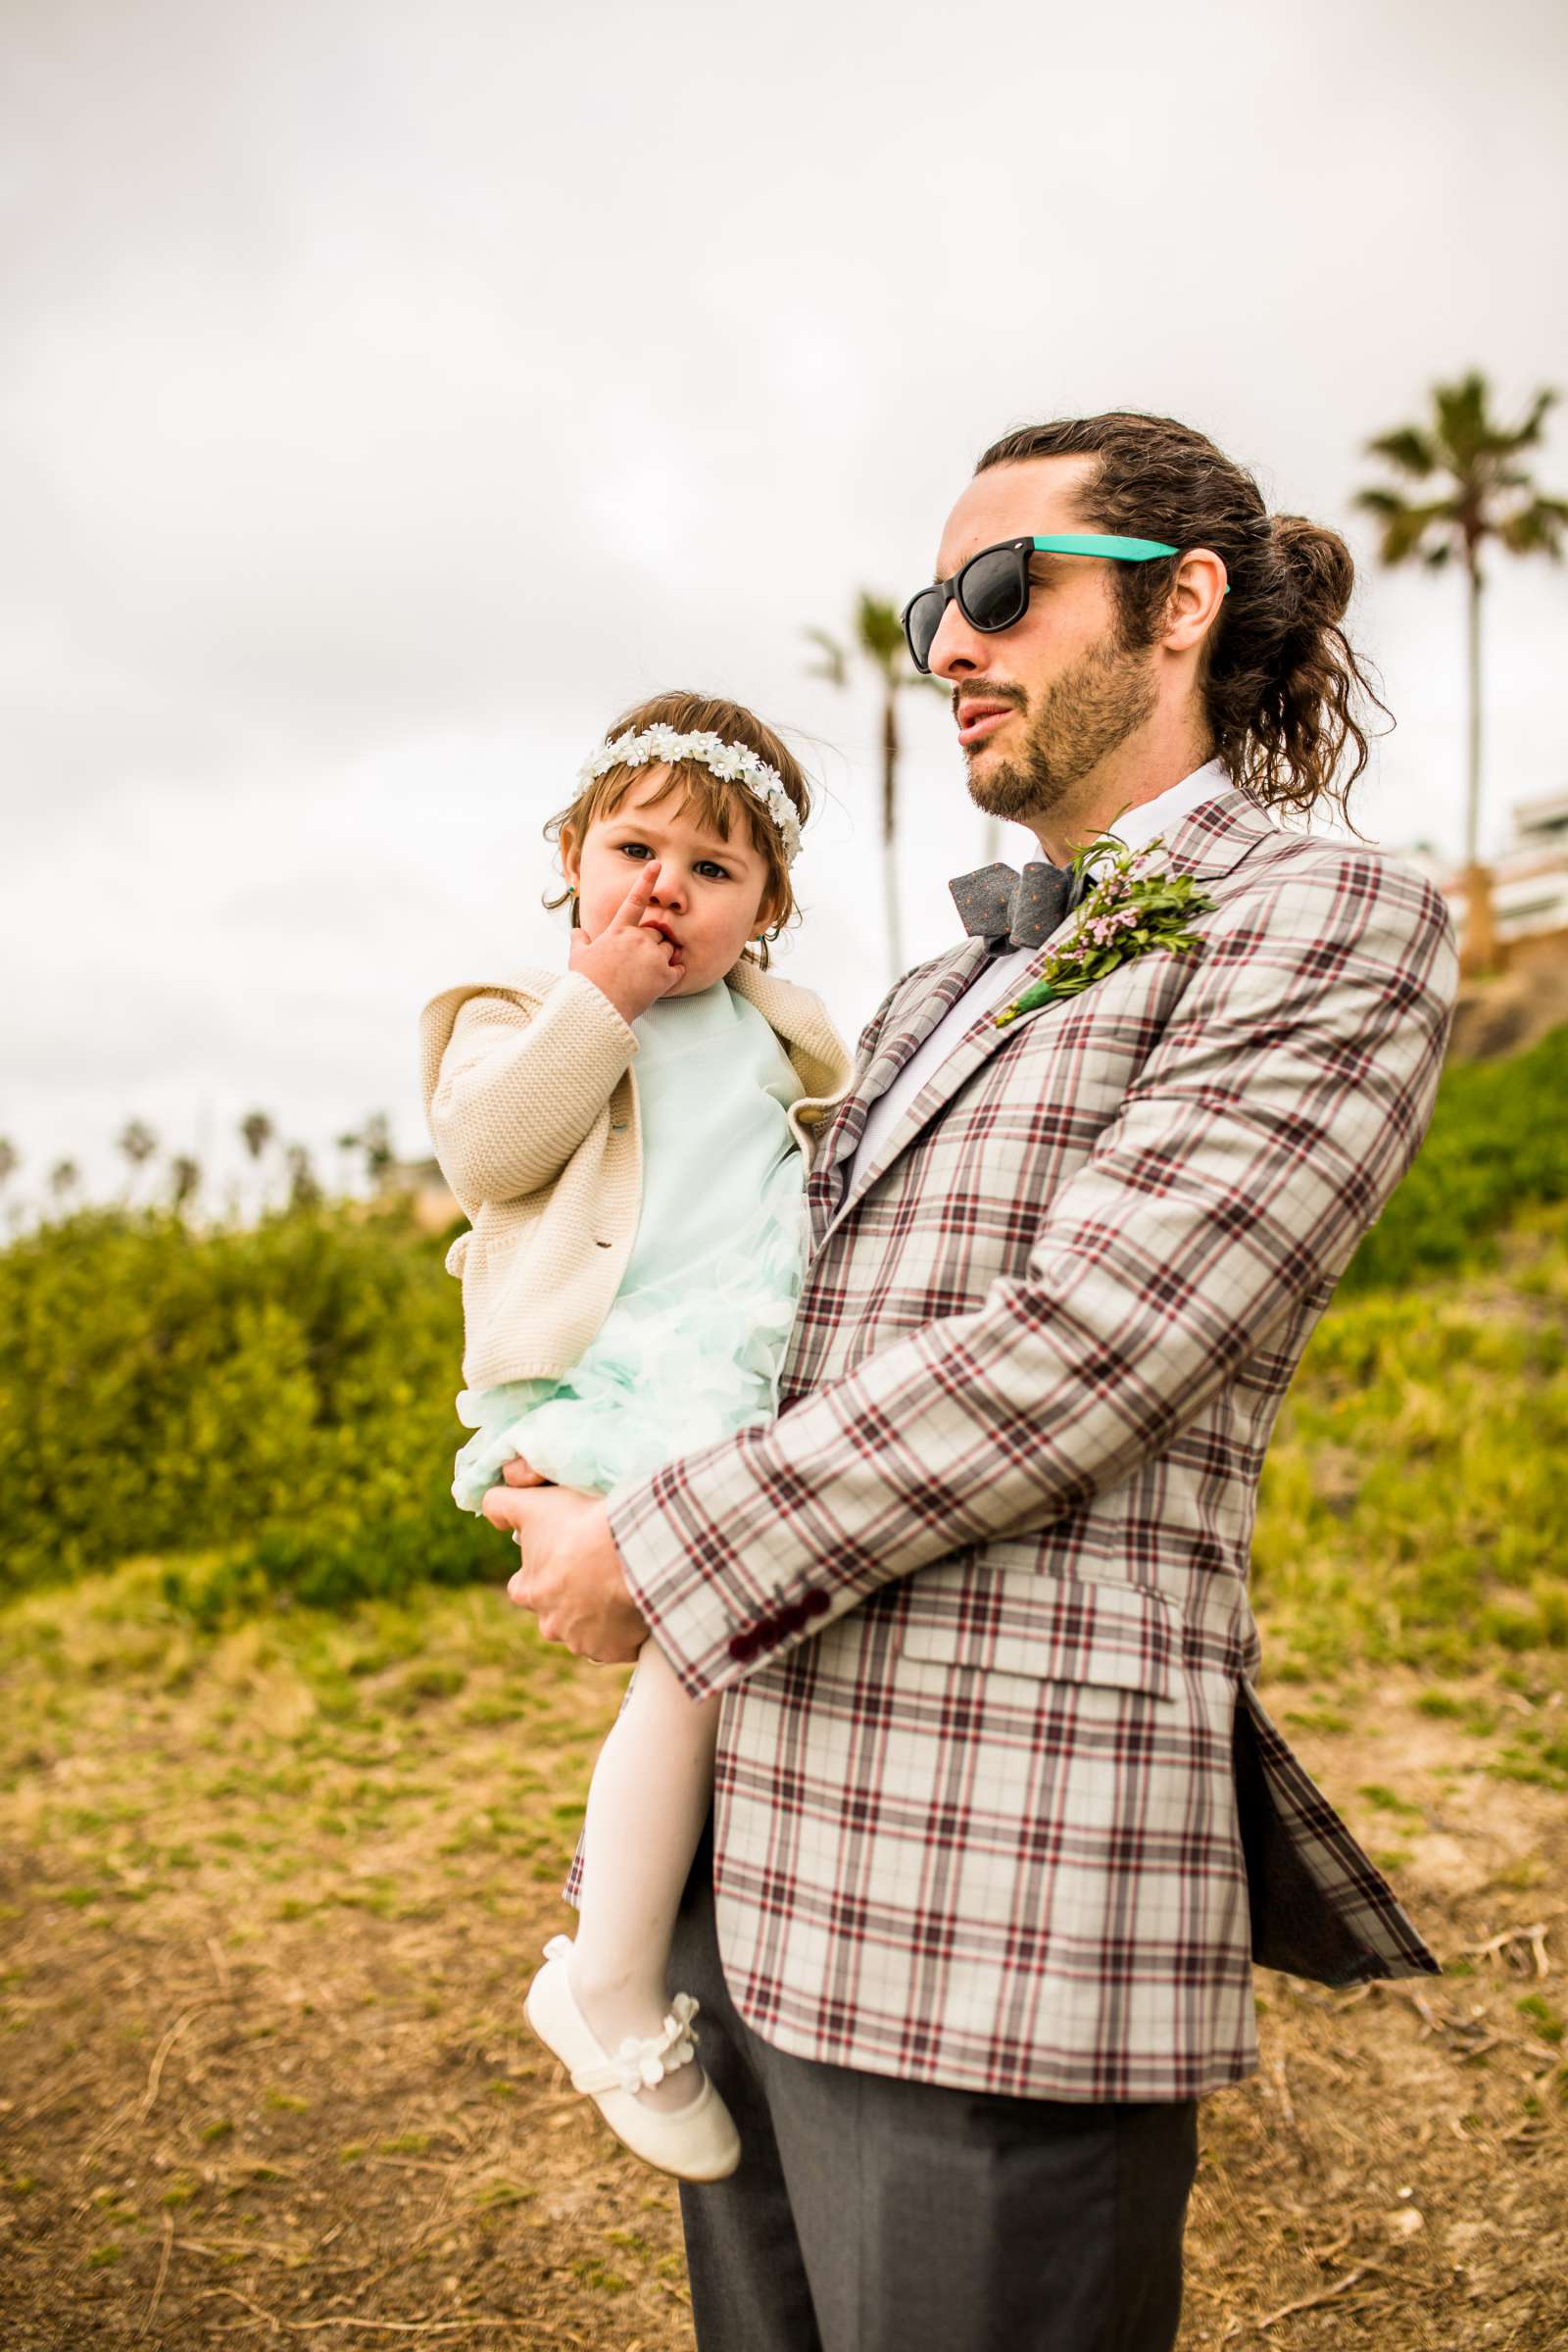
column 518, row 1091
column 1287, row 1096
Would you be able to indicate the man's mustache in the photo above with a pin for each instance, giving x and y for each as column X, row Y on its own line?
column 969, row 691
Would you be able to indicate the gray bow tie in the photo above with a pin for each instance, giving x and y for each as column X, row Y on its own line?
column 1017, row 911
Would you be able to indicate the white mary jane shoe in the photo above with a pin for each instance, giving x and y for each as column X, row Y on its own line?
column 696, row 2143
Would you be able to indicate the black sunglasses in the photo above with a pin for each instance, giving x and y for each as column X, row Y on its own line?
column 991, row 590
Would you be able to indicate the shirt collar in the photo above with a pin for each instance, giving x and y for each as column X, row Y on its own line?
column 1138, row 827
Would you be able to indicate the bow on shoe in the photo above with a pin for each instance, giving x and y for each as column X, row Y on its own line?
column 648, row 2061
column 1016, row 911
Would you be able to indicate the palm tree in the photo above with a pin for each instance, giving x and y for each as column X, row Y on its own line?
column 375, row 1142
column 10, row 1162
column 879, row 639
column 65, row 1178
column 259, row 1133
column 347, row 1145
column 1477, row 491
column 184, row 1180
column 137, row 1143
column 303, row 1192
column 256, row 1129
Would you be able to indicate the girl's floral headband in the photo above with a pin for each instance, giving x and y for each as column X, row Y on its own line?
column 734, row 762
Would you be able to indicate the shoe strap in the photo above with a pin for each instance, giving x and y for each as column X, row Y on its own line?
column 674, row 2045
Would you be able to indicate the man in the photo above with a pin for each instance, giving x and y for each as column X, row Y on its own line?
column 1000, row 1824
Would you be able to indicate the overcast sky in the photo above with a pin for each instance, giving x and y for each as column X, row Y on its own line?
column 392, row 393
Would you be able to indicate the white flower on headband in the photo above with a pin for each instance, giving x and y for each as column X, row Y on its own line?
column 731, row 762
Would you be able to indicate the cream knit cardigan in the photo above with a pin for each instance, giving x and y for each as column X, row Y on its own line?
column 533, row 1108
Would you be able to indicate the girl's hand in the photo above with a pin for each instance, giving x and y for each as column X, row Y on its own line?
column 631, row 963
column 518, row 1473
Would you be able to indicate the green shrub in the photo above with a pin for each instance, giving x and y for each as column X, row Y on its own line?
column 269, row 1410
column 1497, row 1143
column 1416, row 1488
column 279, row 1394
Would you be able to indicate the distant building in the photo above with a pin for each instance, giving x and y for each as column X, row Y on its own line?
column 1529, row 890
column 426, row 1189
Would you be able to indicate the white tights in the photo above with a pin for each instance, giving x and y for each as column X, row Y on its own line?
column 648, row 1798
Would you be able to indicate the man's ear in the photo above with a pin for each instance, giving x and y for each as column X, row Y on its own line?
column 1195, row 597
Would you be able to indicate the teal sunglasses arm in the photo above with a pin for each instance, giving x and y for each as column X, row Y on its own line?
column 1106, row 543
column 1100, row 543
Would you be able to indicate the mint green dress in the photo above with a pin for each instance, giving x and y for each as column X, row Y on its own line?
column 694, row 1342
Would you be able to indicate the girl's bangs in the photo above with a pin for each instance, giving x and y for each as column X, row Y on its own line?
column 714, row 801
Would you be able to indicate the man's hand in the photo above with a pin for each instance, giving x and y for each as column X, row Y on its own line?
column 631, row 962
column 570, row 1575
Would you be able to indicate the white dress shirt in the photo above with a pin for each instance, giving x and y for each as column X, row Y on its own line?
column 1000, row 976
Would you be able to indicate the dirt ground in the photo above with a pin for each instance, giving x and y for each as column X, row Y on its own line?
column 265, row 1922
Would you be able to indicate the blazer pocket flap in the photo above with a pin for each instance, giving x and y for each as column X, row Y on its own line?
column 1123, row 1637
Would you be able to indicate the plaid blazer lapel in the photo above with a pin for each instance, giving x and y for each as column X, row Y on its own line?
column 978, row 1043
column 904, row 1029
column 1209, row 842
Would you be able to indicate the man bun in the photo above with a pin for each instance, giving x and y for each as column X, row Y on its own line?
column 1319, row 567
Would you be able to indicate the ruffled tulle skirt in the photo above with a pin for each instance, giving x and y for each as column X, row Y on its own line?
column 671, row 1368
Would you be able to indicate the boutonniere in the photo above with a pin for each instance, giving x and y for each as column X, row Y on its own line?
column 1132, row 910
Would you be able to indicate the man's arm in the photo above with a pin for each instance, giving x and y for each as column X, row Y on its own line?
column 1284, row 1102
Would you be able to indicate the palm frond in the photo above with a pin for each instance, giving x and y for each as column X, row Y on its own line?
column 1409, row 527
column 1528, row 435
column 1380, row 502
column 1465, row 432
column 1536, row 530
column 1408, row 448
column 879, row 633
column 835, row 662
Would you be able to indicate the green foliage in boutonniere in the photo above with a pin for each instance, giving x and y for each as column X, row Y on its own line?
column 1132, row 910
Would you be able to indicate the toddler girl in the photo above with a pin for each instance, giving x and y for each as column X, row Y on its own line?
column 629, row 1141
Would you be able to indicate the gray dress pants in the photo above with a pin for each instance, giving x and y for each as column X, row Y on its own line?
column 873, row 2214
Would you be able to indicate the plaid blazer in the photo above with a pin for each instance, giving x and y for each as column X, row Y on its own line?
column 995, row 1802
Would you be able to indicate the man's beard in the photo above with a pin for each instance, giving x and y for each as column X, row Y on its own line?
column 1087, row 713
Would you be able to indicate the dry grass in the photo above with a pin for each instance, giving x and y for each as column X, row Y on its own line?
column 269, row 1899
column 1395, row 2176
